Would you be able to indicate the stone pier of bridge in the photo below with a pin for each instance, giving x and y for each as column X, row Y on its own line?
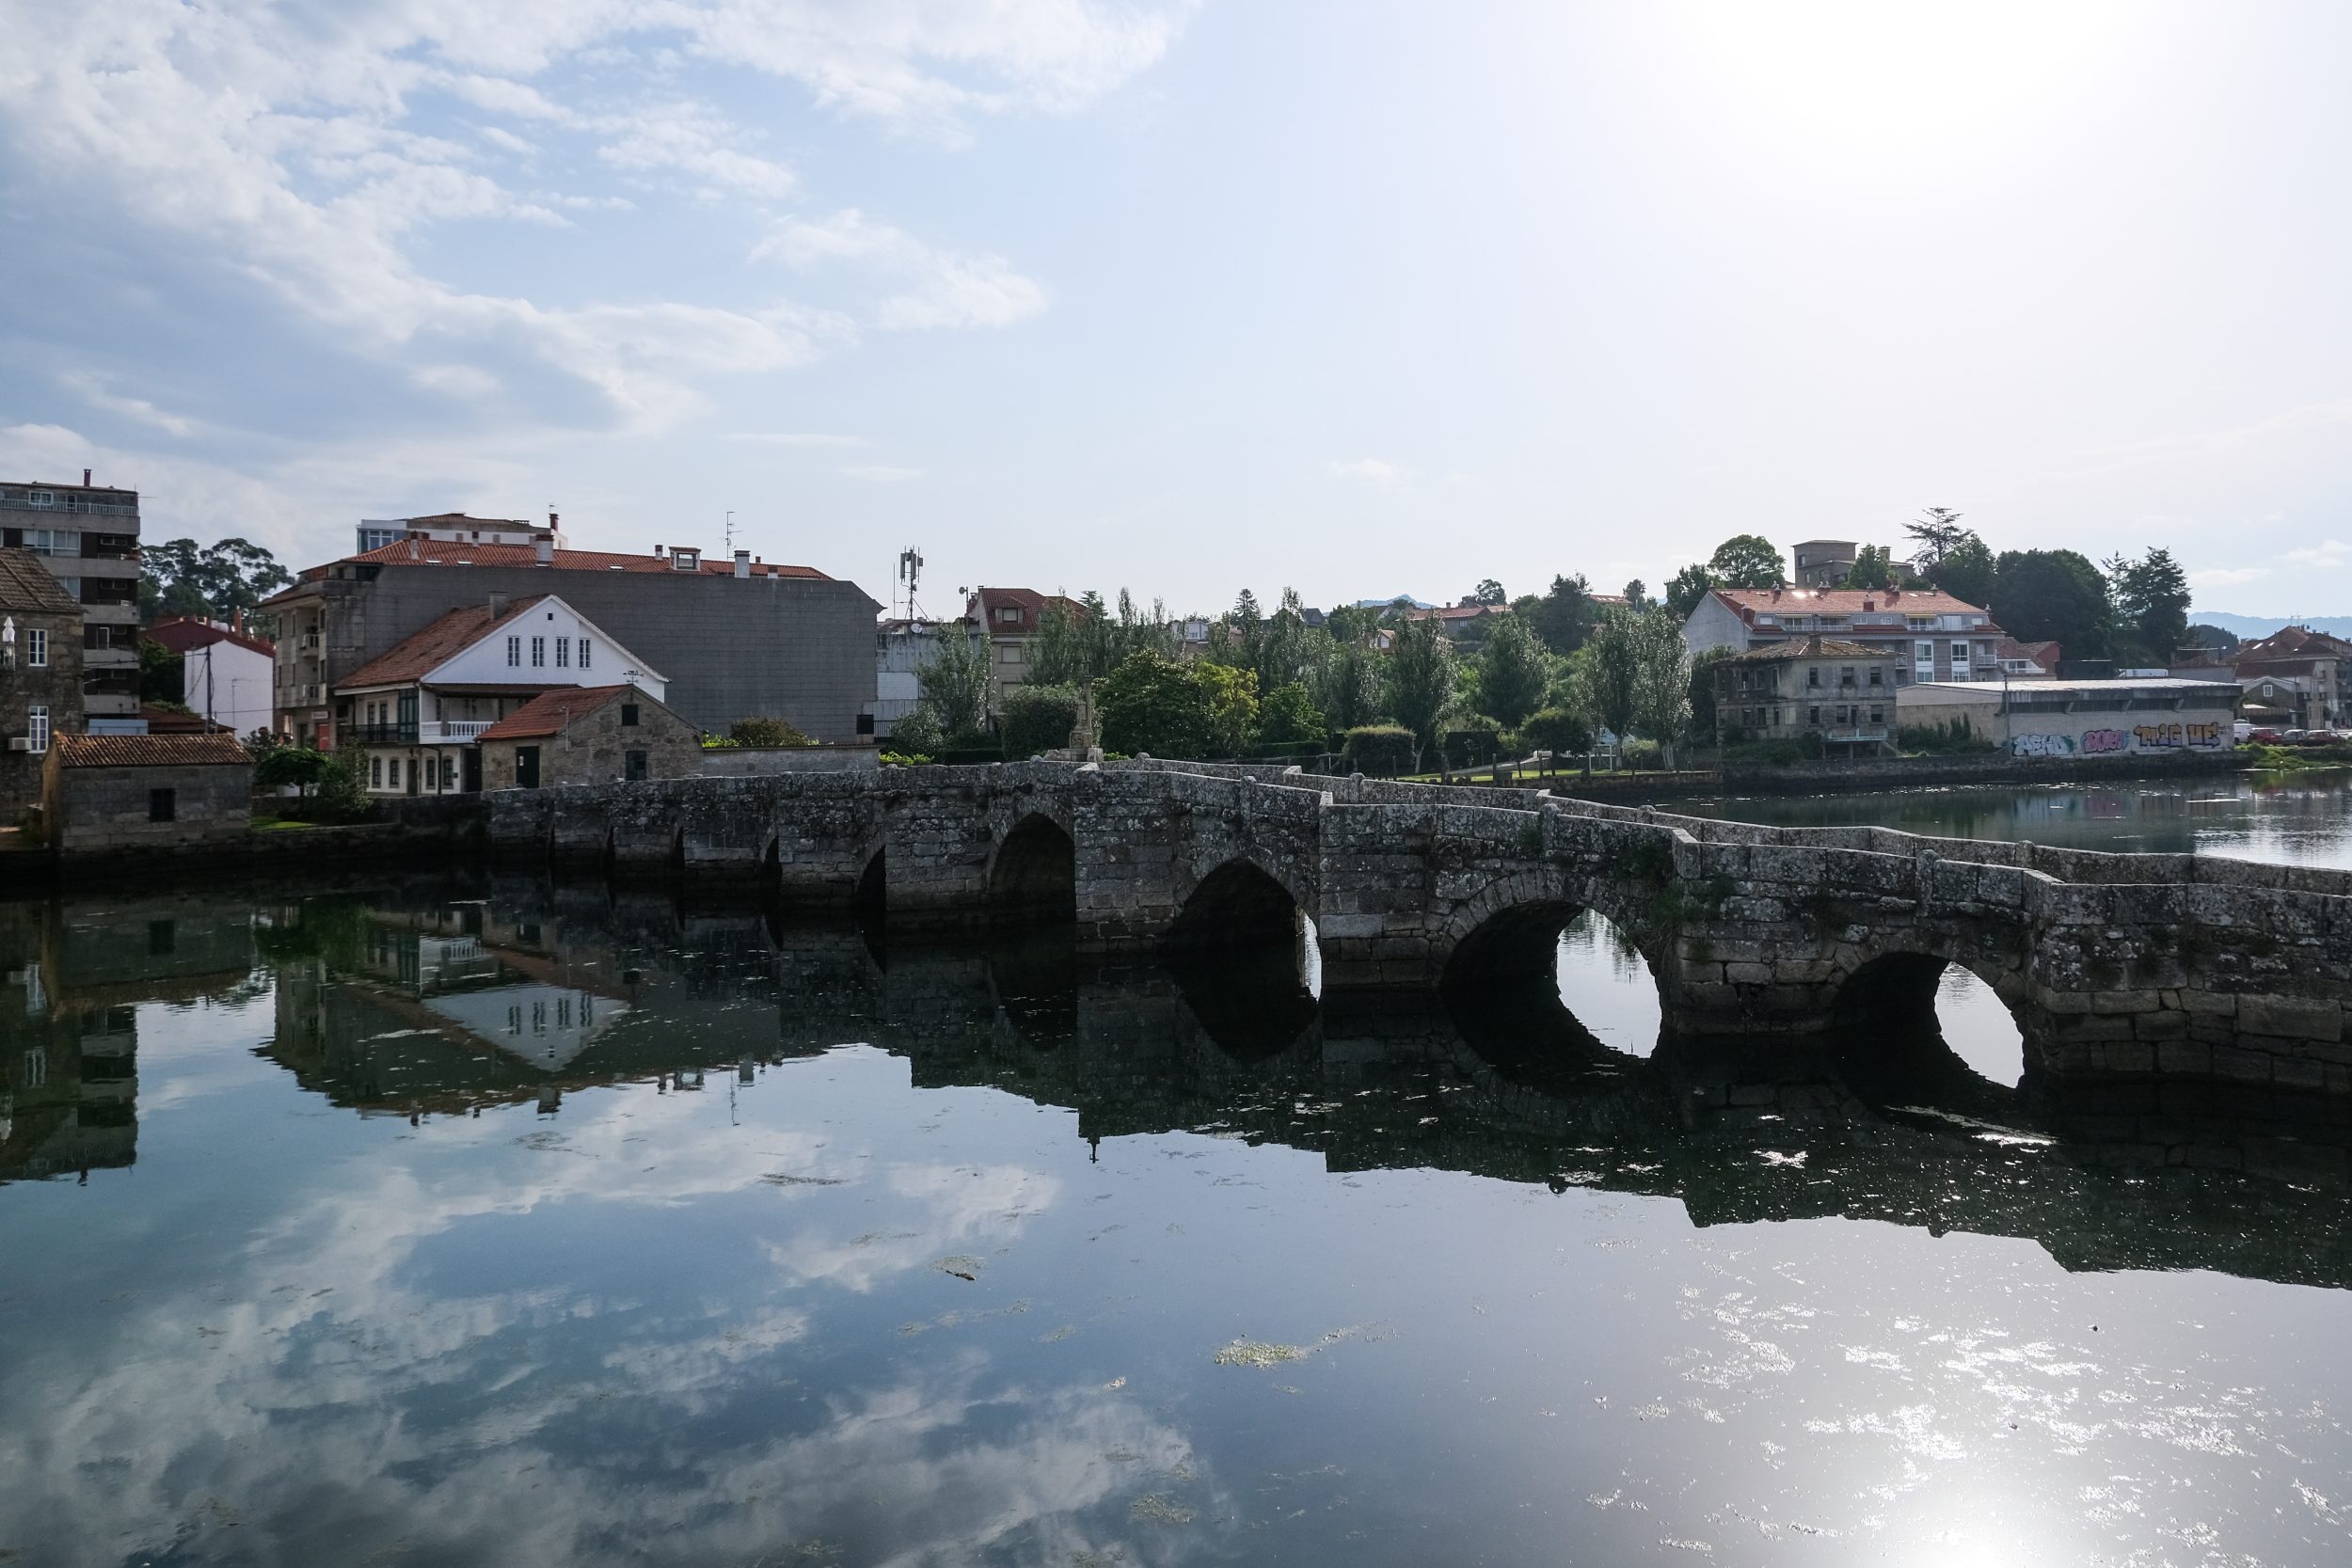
column 2121, row 965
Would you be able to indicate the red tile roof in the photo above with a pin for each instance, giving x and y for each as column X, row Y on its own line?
column 441, row 640
column 150, row 751
column 455, row 552
column 1842, row 601
column 164, row 720
column 552, row 712
column 2293, row 643
column 27, row 584
column 1027, row 602
column 181, row 634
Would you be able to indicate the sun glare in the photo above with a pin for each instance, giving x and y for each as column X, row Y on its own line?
column 1870, row 81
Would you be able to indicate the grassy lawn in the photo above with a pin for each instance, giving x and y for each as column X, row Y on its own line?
column 281, row 824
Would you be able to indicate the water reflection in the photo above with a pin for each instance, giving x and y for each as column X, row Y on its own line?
column 2302, row 819
column 551, row 1228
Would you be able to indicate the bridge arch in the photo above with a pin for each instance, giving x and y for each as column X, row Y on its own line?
column 872, row 893
column 1888, row 1007
column 1033, row 873
column 1510, row 929
column 1239, row 903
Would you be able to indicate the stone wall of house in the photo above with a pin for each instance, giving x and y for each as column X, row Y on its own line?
column 111, row 808
column 56, row 687
column 594, row 749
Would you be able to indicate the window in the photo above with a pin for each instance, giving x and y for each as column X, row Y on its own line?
column 1813, row 715
column 1813, row 676
column 37, row 729
column 376, row 772
column 36, row 1068
column 563, row 653
column 1923, row 652
column 628, row 715
column 1877, row 675
column 1009, row 615
column 584, row 646
column 538, row 653
column 634, row 764
column 1877, row 716
column 513, row 653
column 36, row 647
column 391, row 772
column 162, row 805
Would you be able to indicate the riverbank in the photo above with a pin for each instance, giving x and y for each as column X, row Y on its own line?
column 1864, row 777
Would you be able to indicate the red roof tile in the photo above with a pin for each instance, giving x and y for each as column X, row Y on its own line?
column 148, row 750
column 1027, row 604
column 164, row 720
column 1843, row 601
column 183, row 634
column 446, row 552
column 419, row 654
column 25, row 584
column 552, row 712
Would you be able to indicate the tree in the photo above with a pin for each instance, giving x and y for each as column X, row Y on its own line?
column 1062, row 653
column 1608, row 673
column 2210, row 638
column 954, row 683
column 1936, row 533
column 2041, row 594
column 1637, row 595
column 1037, row 718
column 1564, row 617
column 176, row 577
column 1512, row 672
column 1557, row 730
column 1967, row 572
column 277, row 764
column 1349, row 689
column 160, row 674
column 1489, row 592
column 1687, row 588
column 1289, row 716
column 1155, row 705
column 1873, row 567
column 1421, row 680
column 2150, row 597
column 1746, row 561
column 767, row 732
column 1661, row 680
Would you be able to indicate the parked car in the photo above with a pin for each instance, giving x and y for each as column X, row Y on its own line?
column 2263, row 737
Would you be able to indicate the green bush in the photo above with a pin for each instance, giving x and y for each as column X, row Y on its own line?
column 767, row 732
column 1381, row 748
column 1952, row 738
column 1640, row 755
column 1557, row 730
column 905, row 759
column 342, row 787
column 1289, row 717
column 1038, row 719
column 918, row 731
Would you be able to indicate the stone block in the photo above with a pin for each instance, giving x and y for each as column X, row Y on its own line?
column 2218, row 1003
column 2241, row 1066
column 1748, row 975
column 2188, row 1057
column 2292, row 1018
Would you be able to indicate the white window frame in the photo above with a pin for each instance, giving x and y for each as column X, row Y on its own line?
column 563, row 653
column 583, row 653
column 36, row 647
column 538, row 653
column 513, row 653
column 37, row 729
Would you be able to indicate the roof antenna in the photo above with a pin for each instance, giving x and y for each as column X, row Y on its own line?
column 729, row 530
column 910, row 569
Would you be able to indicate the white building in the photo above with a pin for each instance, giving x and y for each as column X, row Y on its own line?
column 225, row 671
column 456, row 527
column 1930, row 635
column 2053, row 718
column 420, row 709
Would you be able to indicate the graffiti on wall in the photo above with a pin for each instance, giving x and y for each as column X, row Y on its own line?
column 2173, row 738
column 2141, row 737
column 2098, row 742
column 2041, row 745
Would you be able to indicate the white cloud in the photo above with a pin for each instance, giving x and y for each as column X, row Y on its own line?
column 1373, row 470
column 2328, row 552
column 692, row 139
column 881, row 473
column 943, row 288
column 2227, row 577
column 796, row 438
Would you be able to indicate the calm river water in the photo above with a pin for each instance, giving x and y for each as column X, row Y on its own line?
column 511, row 1225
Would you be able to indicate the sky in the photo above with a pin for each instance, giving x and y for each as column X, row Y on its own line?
column 1355, row 296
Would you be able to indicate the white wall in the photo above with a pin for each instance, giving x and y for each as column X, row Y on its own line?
column 561, row 629
column 1714, row 625
column 228, row 684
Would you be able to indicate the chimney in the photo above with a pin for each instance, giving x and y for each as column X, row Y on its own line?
column 236, row 619
column 84, row 478
column 656, row 552
column 543, row 550
column 498, row 606
column 414, row 553
column 742, row 563
column 552, row 519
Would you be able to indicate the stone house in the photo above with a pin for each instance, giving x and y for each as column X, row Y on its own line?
column 588, row 735
column 742, row 638
column 1930, row 635
column 1843, row 692
column 86, row 537
column 40, row 674
column 146, row 791
column 420, row 710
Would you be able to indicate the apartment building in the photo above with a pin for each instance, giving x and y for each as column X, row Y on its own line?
column 88, row 536
column 1929, row 635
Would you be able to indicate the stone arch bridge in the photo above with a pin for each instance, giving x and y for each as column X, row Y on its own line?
column 2134, row 965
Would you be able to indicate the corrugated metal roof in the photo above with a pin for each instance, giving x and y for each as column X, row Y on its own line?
column 148, row 750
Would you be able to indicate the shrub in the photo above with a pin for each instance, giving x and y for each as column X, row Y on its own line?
column 767, row 732
column 1640, row 754
column 905, row 759
column 342, row 787
column 276, row 766
column 918, row 731
column 1038, row 719
column 1557, row 730
column 1289, row 717
column 1378, row 748
column 1951, row 738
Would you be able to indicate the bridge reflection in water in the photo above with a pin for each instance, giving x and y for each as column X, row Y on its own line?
column 409, row 1003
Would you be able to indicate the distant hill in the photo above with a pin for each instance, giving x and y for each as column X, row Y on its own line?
column 1383, row 604
column 2263, row 626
